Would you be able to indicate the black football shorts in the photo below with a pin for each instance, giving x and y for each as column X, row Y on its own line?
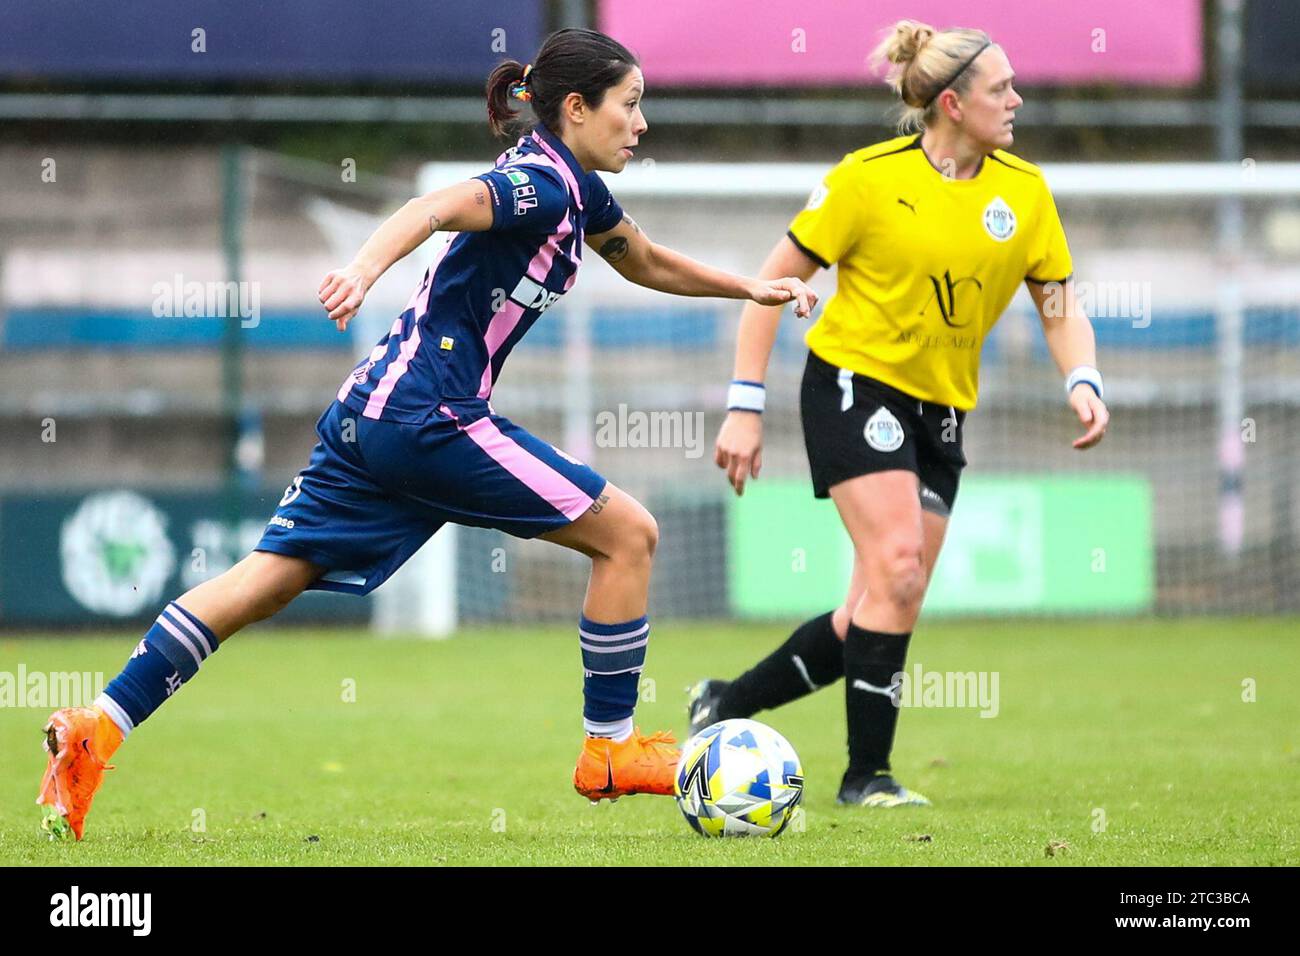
column 854, row 425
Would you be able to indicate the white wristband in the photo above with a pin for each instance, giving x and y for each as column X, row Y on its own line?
column 746, row 397
column 1088, row 376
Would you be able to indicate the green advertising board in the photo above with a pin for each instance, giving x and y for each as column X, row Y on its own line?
column 117, row 555
column 1016, row 544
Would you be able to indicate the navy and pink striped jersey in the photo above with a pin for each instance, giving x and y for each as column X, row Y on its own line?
column 484, row 290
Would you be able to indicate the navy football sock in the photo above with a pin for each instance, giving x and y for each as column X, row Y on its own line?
column 612, row 658
column 168, row 656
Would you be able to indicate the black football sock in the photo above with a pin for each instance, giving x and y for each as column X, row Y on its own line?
column 871, row 659
column 811, row 658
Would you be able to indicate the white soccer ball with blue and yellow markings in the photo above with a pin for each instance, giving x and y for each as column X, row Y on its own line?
column 738, row 778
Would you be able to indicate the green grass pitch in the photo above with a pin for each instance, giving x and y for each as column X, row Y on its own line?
column 1117, row 742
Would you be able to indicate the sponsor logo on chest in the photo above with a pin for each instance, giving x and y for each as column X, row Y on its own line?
column 533, row 295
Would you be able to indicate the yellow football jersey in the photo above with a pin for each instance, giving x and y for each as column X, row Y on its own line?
column 926, row 263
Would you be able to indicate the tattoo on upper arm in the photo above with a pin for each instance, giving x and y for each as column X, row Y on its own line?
column 614, row 249
column 434, row 224
column 598, row 505
column 480, row 197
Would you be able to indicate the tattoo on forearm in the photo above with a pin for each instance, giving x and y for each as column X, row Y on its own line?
column 599, row 504
column 434, row 224
column 614, row 249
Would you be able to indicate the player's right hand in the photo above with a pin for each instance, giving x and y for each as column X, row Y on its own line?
column 739, row 449
column 341, row 292
column 789, row 289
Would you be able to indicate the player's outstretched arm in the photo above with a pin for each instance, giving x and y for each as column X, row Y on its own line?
column 1073, row 346
column 647, row 263
column 464, row 207
column 739, row 448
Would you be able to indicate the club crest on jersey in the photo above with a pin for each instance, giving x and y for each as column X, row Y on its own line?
column 883, row 431
column 999, row 220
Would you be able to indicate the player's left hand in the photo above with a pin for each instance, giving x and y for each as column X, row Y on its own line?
column 781, row 291
column 1092, row 413
column 341, row 292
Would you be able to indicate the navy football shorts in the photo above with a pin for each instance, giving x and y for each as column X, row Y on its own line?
column 375, row 491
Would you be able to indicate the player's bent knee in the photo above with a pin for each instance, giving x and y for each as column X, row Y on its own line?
column 904, row 568
column 638, row 537
column 907, row 586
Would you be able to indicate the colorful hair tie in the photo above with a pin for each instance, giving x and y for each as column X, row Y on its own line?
column 520, row 90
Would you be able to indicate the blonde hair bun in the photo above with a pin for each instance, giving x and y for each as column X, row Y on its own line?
column 906, row 42
column 922, row 60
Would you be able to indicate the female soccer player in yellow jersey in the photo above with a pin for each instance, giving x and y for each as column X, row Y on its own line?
column 932, row 233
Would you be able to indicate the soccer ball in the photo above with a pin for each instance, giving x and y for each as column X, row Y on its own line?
column 736, row 778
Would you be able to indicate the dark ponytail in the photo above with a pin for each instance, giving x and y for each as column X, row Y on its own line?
column 500, row 116
column 570, row 61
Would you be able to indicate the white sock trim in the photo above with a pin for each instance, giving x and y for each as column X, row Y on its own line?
column 115, row 713
column 616, row 730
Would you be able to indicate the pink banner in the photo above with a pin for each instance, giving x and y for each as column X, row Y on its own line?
column 826, row 42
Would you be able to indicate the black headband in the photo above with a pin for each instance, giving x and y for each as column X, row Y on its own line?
column 953, row 79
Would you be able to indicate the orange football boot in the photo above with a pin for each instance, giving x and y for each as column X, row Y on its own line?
column 79, row 741
column 611, row 769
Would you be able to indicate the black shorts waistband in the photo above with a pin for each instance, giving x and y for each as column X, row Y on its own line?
column 824, row 367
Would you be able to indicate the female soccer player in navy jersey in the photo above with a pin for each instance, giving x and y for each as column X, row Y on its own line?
column 412, row 442
column 932, row 233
